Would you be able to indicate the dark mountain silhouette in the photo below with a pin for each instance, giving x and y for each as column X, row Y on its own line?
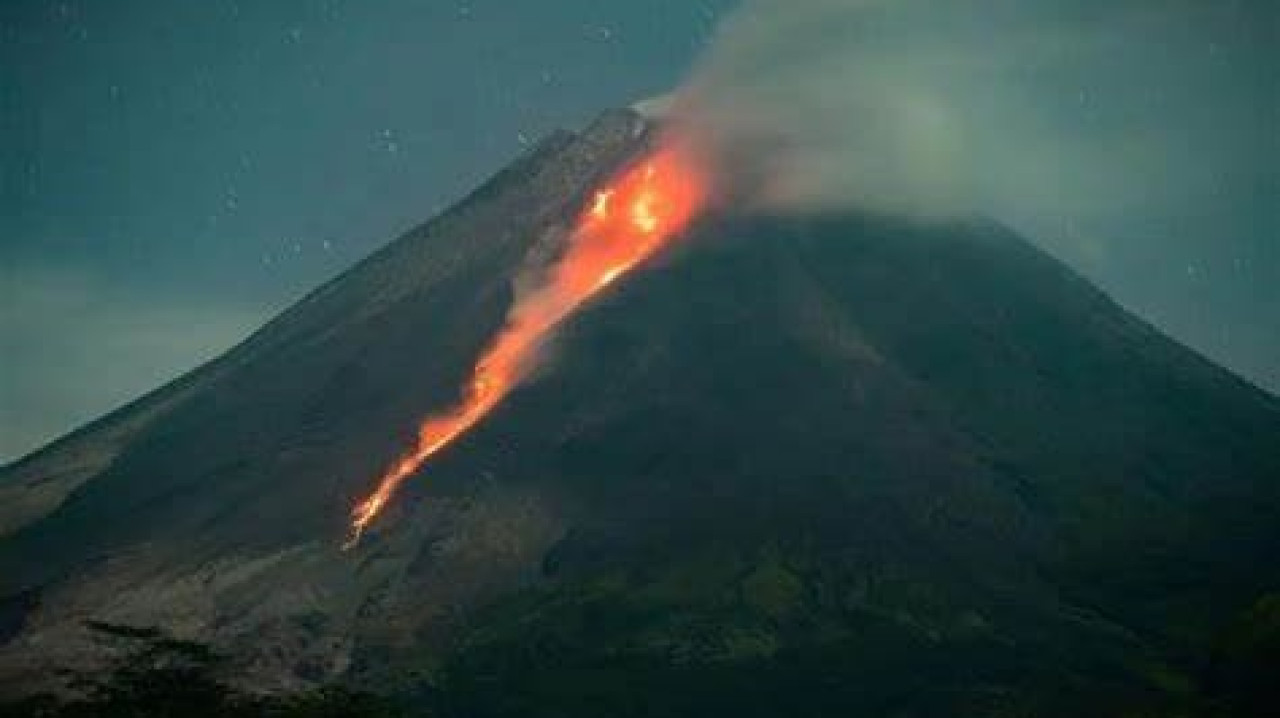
column 826, row 464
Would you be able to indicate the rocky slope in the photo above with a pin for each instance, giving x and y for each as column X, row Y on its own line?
column 802, row 464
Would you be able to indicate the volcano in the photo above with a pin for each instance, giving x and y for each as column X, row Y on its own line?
column 808, row 464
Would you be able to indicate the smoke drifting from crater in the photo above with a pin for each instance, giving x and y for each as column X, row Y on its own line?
column 800, row 103
column 1046, row 112
column 1134, row 139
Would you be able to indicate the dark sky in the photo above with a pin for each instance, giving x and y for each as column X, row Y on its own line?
column 175, row 172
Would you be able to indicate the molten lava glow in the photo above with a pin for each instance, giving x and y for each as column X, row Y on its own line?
column 627, row 221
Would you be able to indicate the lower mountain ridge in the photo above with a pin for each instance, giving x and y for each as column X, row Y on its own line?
column 802, row 465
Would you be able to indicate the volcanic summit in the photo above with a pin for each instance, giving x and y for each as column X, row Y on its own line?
column 794, row 464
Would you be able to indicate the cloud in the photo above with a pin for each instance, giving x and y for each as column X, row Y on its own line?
column 74, row 346
column 1134, row 139
column 1044, row 113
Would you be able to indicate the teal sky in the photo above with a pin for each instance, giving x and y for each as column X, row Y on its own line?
column 173, row 173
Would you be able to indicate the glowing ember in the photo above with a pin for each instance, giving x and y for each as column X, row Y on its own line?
column 600, row 207
column 626, row 223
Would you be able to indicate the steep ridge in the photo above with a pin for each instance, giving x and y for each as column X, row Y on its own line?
column 261, row 453
column 860, row 463
column 800, row 464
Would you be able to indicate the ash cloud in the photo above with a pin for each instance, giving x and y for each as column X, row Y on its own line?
column 1056, row 115
column 1134, row 139
column 802, row 103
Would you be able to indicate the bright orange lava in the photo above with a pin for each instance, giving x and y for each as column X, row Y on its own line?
column 626, row 223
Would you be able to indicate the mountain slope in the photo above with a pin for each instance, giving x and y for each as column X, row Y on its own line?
column 262, row 452
column 802, row 464
column 972, row 480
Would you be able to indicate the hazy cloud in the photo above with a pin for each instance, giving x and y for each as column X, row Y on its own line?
column 73, row 346
column 1038, row 110
column 1135, row 139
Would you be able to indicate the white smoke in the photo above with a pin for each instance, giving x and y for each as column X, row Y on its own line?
column 797, row 108
column 1048, row 112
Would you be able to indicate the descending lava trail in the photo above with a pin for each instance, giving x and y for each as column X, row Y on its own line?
column 628, row 220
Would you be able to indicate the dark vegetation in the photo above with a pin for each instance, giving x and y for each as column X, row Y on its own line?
column 157, row 676
column 758, row 643
column 781, row 635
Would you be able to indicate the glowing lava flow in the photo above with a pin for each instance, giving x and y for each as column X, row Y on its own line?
column 627, row 221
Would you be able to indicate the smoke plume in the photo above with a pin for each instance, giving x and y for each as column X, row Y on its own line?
column 1050, row 112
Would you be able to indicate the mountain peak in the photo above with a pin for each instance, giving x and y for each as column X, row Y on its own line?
column 793, row 449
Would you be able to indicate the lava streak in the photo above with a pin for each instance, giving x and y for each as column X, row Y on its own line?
column 625, row 223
